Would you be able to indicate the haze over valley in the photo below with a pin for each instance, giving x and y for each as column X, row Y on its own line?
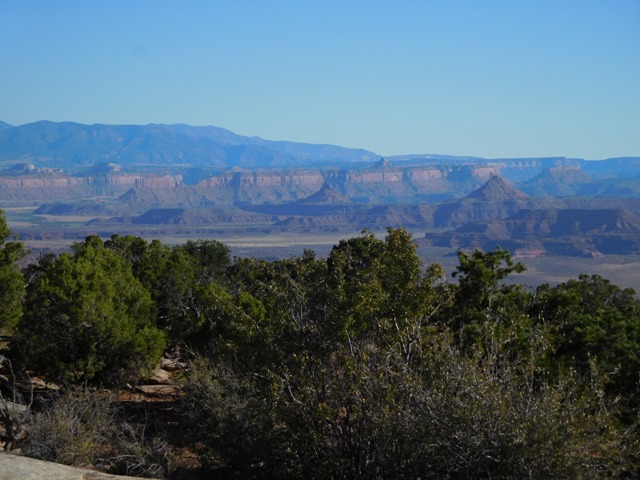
column 60, row 182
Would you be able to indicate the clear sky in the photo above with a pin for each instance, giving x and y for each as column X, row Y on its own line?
column 486, row 78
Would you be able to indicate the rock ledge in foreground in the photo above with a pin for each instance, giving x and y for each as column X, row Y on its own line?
column 16, row 467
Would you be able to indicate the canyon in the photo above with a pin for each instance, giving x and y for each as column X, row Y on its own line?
column 63, row 181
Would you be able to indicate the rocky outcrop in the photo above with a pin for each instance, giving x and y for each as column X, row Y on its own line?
column 57, row 180
column 496, row 190
column 186, row 216
column 523, row 169
column 557, row 181
column 495, row 199
column 381, row 183
column 15, row 467
column 573, row 232
column 567, row 222
column 47, row 187
column 325, row 196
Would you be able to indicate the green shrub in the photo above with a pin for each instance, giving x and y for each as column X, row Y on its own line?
column 394, row 393
column 11, row 280
column 88, row 319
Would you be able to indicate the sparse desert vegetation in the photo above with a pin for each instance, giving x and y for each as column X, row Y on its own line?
column 364, row 363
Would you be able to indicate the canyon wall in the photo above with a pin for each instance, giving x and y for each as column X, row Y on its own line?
column 382, row 183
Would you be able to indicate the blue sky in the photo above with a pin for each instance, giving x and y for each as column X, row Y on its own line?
column 485, row 78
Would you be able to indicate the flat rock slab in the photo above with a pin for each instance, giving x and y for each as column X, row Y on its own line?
column 158, row 390
column 16, row 467
column 160, row 377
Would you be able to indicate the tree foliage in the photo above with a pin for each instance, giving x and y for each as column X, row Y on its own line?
column 182, row 282
column 481, row 278
column 11, row 280
column 363, row 364
column 88, row 319
column 351, row 367
column 484, row 294
column 594, row 322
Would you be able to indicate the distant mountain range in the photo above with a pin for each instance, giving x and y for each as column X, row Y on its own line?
column 73, row 146
column 182, row 179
